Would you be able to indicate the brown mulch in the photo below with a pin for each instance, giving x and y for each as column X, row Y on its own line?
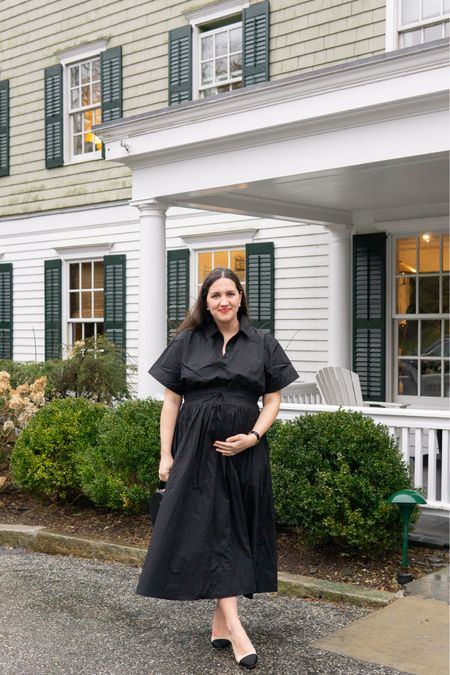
column 293, row 555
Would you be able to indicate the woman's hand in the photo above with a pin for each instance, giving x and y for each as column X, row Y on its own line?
column 235, row 444
column 165, row 465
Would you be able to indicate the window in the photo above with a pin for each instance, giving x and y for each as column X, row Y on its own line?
column 234, row 259
column 86, row 300
column 421, row 320
column 220, row 62
column 224, row 46
column 84, row 108
column 422, row 21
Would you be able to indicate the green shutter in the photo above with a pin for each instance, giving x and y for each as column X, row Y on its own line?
column 369, row 314
column 255, row 41
column 177, row 289
column 115, row 299
column 4, row 128
column 53, row 312
column 180, row 65
column 54, row 137
column 260, row 285
column 6, row 311
column 111, row 69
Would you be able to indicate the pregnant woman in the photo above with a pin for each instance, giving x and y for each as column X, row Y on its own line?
column 215, row 534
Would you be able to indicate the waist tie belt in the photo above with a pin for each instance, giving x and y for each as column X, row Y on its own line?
column 219, row 394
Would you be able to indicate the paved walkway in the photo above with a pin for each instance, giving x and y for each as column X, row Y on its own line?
column 61, row 616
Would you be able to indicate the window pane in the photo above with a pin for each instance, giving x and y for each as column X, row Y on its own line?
column 207, row 47
column 77, row 332
column 88, row 142
column 236, row 65
column 221, row 259
column 86, row 304
column 85, row 72
column 406, row 256
column 86, row 278
column 89, row 330
column 221, row 69
column 98, row 304
column 85, row 95
column 207, row 72
column 432, row 33
column 406, row 295
column 237, row 264
column 100, row 329
column 77, row 145
column 204, row 265
column 98, row 274
column 221, row 43
column 429, row 253
column 445, row 294
column 88, row 116
column 77, row 123
column 410, row 11
column 236, row 39
column 96, row 92
column 445, row 252
column 411, row 38
column 74, row 305
column 74, row 76
column 407, row 377
column 446, row 337
column 75, row 98
column 431, row 338
column 446, row 379
column 96, row 69
column 430, row 8
column 430, row 378
column 407, row 338
column 429, row 295
column 98, row 116
column 74, row 272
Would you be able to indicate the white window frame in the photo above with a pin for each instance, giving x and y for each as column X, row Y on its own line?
column 394, row 27
column 69, row 58
column 213, row 241
column 437, row 227
column 68, row 254
column 201, row 17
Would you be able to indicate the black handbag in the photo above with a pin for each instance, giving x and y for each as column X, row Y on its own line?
column 155, row 501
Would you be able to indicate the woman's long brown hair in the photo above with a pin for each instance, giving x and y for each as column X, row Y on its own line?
column 198, row 316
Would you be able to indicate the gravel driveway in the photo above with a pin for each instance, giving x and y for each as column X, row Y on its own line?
column 61, row 615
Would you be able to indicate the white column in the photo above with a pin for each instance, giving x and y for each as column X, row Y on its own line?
column 152, row 335
column 340, row 294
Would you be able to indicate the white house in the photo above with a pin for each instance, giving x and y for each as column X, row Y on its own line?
column 305, row 144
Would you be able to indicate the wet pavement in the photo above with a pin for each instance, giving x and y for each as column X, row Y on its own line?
column 61, row 616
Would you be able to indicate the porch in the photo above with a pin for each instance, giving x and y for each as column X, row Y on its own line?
column 422, row 437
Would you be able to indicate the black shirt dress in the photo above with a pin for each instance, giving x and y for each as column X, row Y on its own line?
column 215, row 533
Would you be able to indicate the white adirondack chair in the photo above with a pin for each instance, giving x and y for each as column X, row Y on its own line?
column 339, row 386
column 302, row 393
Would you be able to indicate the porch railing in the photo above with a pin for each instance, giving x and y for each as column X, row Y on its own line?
column 422, row 437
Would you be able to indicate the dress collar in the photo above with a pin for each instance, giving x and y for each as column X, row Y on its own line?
column 244, row 327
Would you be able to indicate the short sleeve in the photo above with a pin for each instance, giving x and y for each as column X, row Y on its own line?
column 167, row 368
column 279, row 371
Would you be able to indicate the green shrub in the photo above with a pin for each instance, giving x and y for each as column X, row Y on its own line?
column 122, row 470
column 96, row 370
column 25, row 372
column 44, row 458
column 332, row 474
